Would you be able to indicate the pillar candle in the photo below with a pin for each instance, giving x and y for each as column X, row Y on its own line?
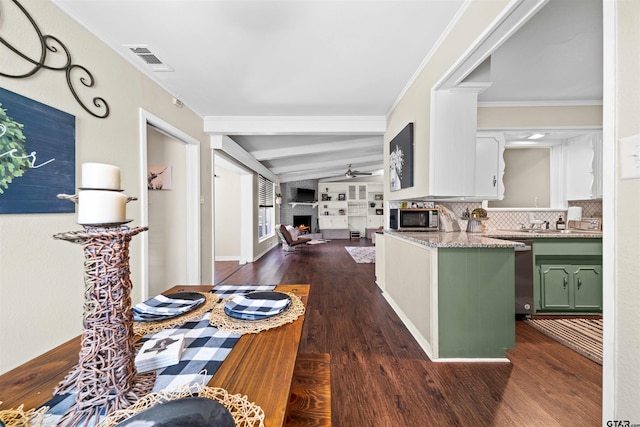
column 100, row 176
column 101, row 207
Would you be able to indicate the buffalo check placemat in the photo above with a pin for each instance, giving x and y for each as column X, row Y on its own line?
column 206, row 347
column 258, row 304
column 162, row 306
column 225, row 291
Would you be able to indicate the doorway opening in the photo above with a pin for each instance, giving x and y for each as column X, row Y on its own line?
column 190, row 183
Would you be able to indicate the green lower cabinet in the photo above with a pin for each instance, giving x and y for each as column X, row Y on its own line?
column 567, row 275
column 569, row 287
column 475, row 302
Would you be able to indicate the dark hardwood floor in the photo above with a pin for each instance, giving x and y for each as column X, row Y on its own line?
column 381, row 377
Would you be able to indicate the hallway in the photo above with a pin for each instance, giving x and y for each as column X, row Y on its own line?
column 381, row 377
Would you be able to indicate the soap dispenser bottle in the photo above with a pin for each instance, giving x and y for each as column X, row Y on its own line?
column 560, row 225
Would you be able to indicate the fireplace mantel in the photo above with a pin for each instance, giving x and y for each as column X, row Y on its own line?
column 312, row 204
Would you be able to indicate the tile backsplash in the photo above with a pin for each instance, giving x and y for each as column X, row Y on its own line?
column 514, row 219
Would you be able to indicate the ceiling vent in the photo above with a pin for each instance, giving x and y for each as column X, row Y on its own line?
column 149, row 58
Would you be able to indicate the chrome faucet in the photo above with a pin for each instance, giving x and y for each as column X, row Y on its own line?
column 534, row 223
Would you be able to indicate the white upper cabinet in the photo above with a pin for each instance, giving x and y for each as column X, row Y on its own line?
column 452, row 161
column 489, row 168
column 357, row 192
column 583, row 161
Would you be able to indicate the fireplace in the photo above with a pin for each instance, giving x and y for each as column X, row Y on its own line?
column 304, row 220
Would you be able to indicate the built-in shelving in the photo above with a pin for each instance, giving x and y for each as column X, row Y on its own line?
column 346, row 206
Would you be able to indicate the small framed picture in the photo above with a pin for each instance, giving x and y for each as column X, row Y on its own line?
column 159, row 177
column 325, row 197
column 342, row 196
column 378, row 196
column 378, row 211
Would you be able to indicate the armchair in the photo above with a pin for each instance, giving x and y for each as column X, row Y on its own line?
column 288, row 244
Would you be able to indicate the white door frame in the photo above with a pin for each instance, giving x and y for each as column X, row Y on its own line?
column 246, row 207
column 192, row 146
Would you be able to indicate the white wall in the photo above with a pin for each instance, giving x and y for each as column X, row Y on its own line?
column 227, row 219
column 627, row 232
column 41, row 279
column 526, row 179
column 167, row 215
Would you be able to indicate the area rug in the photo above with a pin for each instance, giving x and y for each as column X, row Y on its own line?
column 362, row 254
column 583, row 335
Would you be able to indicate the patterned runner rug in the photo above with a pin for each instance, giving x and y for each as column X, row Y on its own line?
column 362, row 254
column 579, row 334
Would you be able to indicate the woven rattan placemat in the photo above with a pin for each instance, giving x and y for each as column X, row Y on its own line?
column 244, row 413
column 144, row 328
column 222, row 321
column 20, row 418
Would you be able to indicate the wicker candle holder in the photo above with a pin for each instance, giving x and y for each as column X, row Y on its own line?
column 105, row 379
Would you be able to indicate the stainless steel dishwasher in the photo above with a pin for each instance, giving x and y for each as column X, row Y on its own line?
column 524, row 278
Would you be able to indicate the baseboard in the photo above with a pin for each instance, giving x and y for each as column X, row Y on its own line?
column 422, row 342
column 263, row 253
column 228, row 258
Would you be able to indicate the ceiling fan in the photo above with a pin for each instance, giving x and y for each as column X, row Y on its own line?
column 352, row 174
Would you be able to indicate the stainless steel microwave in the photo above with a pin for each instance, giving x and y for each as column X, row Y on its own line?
column 414, row 219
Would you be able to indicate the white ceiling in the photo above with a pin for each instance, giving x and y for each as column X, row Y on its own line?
column 339, row 58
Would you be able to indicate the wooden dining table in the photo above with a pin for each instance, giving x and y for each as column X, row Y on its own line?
column 260, row 366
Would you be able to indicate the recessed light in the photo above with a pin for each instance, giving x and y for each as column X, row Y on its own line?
column 537, row 136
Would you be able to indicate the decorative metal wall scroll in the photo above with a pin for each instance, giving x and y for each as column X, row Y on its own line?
column 52, row 45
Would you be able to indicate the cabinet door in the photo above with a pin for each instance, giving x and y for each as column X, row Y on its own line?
column 340, row 222
column 579, row 167
column 489, row 167
column 352, row 192
column 375, row 221
column 362, row 192
column 453, row 140
column 555, row 287
column 587, row 280
column 332, row 222
column 324, row 222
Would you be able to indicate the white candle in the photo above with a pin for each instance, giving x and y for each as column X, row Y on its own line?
column 100, row 176
column 101, row 207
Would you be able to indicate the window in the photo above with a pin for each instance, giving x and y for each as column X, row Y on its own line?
column 265, row 207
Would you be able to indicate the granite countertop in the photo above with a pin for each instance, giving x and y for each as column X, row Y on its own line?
column 544, row 234
column 487, row 239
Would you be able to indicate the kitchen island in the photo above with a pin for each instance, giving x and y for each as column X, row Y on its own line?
column 455, row 291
